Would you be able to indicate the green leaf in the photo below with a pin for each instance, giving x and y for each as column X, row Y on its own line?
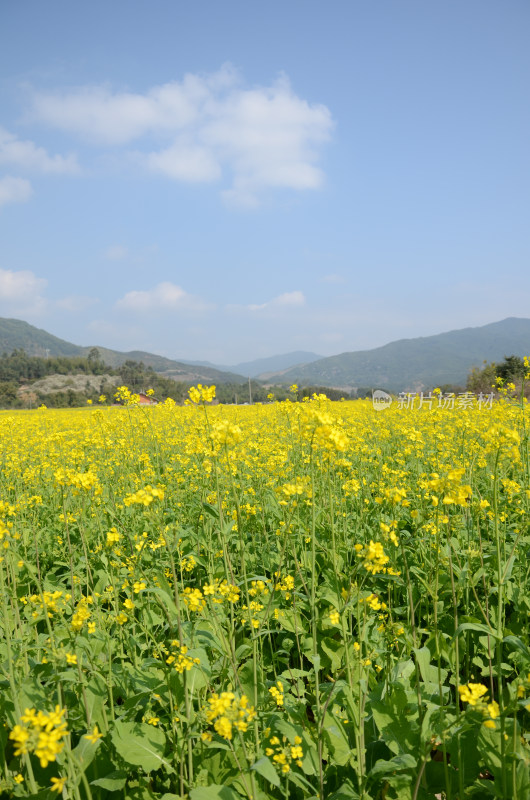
column 141, row 745
column 428, row 672
column 345, row 792
column 211, row 510
column 265, row 768
column 292, row 622
column 85, row 752
column 336, row 739
column 475, row 626
column 403, row 670
column 396, row 718
column 96, row 696
column 214, row 792
column 522, row 779
column 246, row 678
column 289, row 674
column 165, row 598
column 44, row 794
column 112, row 782
column 396, row 764
column 287, row 729
column 401, row 786
column 334, row 651
column 518, row 645
column 216, row 744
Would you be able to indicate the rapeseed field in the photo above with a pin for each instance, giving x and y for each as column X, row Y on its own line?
column 291, row 600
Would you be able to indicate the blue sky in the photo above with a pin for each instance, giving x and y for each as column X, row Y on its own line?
column 227, row 181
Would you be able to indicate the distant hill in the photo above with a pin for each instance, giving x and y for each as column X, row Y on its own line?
column 18, row 335
column 412, row 364
column 407, row 364
column 261, row 367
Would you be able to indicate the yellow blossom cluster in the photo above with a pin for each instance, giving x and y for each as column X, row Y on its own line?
column 284, row 754
column 474, row 694
column 506, row 441
column 124, row 395
column 258, row 587
column 225, row 434
column 451, row 487
column 179, row 659
column 5, row 534
column 201, row 394
column 334, row 616
column 374, row 602
column 81, row 613
column 284, row 585
column 218, row 591
column 277, row 693
column 322, row 429
column 194, row 599
column 113, row 537
column 301, row 487
column 49, row 602
column 145, row 496
column 374, row 556
column 40, row 733
column 78, row 480
column 227, row 712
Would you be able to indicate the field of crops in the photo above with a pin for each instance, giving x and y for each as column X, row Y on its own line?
column 292, row 600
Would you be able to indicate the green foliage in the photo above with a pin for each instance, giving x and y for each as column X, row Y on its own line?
column 482, row 380
column 511, row 369
column 494, row 376
column 140, row 745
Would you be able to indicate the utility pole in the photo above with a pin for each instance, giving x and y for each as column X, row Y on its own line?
column 249, row 391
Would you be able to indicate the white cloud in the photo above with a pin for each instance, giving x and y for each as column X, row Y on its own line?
column 185, row 161
column 287, row 299
column 20, row 285
column 14, row 190
column 99, row 115
column 264, row 137
column 269, row 136
column 28, row 156
column 116, row 252
column 165, row 296
column 290, row 299
column 21, row 292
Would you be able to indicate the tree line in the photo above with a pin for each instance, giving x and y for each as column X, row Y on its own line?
column 507, row 373
column 19, row 372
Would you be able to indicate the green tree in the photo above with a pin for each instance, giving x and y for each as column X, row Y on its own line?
column 8, row 394
column 511, row 369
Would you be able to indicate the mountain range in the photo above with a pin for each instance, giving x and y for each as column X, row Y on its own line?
column 16, row 334
column 263, row 366
column 414, row 364
column 403, row 365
